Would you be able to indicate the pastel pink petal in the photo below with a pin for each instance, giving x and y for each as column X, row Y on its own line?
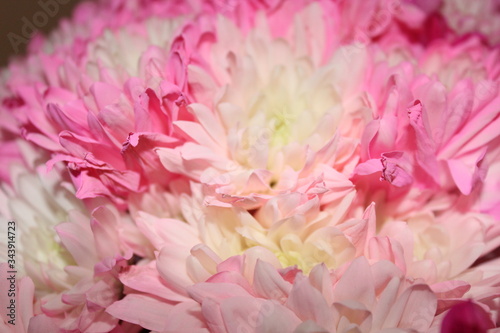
column 69, row 117
column 255, row 254
column 321, row 280
column 385, row 302
column 465, row 175
column 196, row 271
column 449, row 293
column 426, row 147
column 241, row 313
column 276, row 318
column 194, row 131
column 414, row 309
column 431, row 96
column 95, row 321
column 78, row 239
column 210, row 123
column 88, row 185
column 104, row 227
column 149, row 116
column 25, row 301
column 386, row 248
column 53, row 306
column 185, row 317
column 369, row 167
column 426, row 269
column 191, row 151
column 115, row 123
column 379, row 136
column 369, row 134
column 212, row 315
column 484, row 137
column 104, row 94
column 139, row 154
column 171, row 265
column 459, row 109
column 42, row 324
column 106, row 136
column 31, row 97
column 173, row 99
column 309, row 304
column 232, row 264
column 92, row 182
column 125, row 181
column 338, row 191
column 233, row 278
column 400, row 232
column 190, row 160
column 257, row 315
column 146, row 311
column 395, row 169
column 152, row 62
column 280, row 207
column 462, row 258
column 383, row 272
column 207, row 258
column 44, row 141
column 450, row 289
column 310, row 326
column 355, row 312
column 356, row 284
column 24, row 298
column 10, row 154
column 164, row 231
column 77, row 294
column 202, row 85
column 80, row 146
column 360, row 231
column 218, row 291
column 102, row 294
column 146, row 279
column 485, row 116
column 269, row 284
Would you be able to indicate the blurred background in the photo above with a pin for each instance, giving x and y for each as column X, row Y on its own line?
column 19, row 19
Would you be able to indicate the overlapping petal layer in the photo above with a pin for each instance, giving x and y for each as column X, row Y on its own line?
column 256, row 166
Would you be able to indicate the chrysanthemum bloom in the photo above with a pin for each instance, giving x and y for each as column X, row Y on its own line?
column 101, row 96
column 295, row 166
column 72, row 257
column 290, row 234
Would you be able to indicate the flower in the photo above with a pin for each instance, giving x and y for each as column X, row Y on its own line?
column 246, row 293
column 72, row 266
column 255, row 166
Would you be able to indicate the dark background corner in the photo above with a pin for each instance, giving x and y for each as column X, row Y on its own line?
column 19, row 18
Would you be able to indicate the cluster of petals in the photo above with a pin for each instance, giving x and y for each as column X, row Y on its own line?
column 256, row 166
column 70, row 252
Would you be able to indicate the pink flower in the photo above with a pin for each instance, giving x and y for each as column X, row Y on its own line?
column 72, row 266
column 102, row 97
column 246, row 293
column 419, row 152
column 258, row 166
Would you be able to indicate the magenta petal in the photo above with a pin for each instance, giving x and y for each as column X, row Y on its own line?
column 467, row 317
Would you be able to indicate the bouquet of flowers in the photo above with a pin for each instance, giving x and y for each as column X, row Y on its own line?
column 271, row 166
